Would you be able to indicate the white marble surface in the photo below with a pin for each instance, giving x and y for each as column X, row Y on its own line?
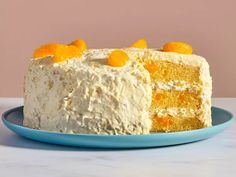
column 214, row 157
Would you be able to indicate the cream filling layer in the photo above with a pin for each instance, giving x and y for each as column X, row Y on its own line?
column 174, row 112
column 175, row 85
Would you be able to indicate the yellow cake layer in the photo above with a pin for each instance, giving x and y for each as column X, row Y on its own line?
column 175, row 98
column 173, row 124
column 162, row 70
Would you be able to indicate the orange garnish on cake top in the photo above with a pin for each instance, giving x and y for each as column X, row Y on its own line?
column 47, row 50
column 80, row 43
column 117, row 58
column 141, row 43
column 61, row 52
column 66, row 53
column 178, row 47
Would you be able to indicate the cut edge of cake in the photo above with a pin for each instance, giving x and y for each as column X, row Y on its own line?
column 201, row 87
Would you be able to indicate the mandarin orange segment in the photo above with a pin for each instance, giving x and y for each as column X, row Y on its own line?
column 152, row 68
column 117, row 58
column 80, row 43
column 159, row 96
column 47, row 50
column 178, row 47
column 66, row 53
column 164, row 121
column 60, row 52
column 57, row 59
column 72, row 52
column 181, row 98
column 141, row 43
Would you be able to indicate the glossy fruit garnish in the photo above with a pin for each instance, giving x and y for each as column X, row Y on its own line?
column 61, row 52
column 80, row 43
column 66, row 53
column 117, row 58
column 178, row 47
column 47, row 50
column 151, row 67
column 141, row 43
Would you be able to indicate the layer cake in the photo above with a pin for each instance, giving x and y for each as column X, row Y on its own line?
column 97, row 91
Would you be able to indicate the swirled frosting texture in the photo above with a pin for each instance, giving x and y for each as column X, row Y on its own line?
column 87, row 96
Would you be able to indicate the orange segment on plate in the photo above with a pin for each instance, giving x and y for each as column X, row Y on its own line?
column 117, row 58
column 80, row 43
column 178, row 47
column 141, row 43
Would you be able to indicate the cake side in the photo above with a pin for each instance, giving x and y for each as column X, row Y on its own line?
column 87, row 96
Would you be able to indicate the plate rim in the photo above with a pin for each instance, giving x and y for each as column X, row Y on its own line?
column 8, row 123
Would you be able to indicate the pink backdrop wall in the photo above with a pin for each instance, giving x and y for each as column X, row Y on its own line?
column 208, row 25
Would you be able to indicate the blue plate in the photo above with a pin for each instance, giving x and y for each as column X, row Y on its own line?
column 13, row 119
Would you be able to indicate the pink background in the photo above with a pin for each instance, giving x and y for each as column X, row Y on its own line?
column 208, row 25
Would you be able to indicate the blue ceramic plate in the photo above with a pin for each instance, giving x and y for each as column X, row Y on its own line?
column 13, row 119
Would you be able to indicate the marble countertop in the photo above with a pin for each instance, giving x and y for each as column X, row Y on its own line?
column 20, row 157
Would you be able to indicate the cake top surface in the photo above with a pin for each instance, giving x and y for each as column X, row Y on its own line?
column 116, row 58
column 119, row 60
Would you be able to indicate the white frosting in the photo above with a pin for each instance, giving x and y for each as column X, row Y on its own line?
column 87, row 96
column 175, row 85
column 180, row 112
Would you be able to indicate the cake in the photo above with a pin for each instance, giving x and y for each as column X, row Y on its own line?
column 135, row 90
